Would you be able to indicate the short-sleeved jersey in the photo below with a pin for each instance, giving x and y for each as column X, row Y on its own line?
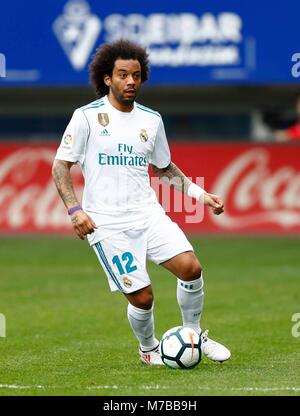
column 114, row 149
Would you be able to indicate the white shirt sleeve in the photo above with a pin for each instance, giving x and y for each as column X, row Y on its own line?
column 73, row 143
column 161, row 156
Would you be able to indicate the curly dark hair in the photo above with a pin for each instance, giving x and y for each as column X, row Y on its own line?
column 104, row 60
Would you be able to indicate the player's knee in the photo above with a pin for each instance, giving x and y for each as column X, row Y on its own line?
column 144, row 300
column 191, row 270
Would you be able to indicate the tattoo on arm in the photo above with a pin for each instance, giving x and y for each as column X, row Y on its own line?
column 74, row 219
column 174, row 176
column 63, row 181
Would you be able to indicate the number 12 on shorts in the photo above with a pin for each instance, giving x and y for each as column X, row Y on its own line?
column 126, row 261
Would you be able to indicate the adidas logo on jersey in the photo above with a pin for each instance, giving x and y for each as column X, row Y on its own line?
column 104, row 132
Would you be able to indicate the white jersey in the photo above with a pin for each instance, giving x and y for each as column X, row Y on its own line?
column 114, row 149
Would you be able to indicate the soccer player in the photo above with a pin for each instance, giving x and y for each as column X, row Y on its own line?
column 114, row 139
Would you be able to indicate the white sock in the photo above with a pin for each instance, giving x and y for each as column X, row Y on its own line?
column 190, row 297
column 142, row 324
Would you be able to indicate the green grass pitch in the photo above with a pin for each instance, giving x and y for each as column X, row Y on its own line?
column 67, row 334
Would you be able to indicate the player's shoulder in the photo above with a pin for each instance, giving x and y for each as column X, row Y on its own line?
column 147, row 111
column 94, row 105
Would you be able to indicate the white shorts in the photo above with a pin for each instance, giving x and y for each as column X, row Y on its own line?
column 123, row 255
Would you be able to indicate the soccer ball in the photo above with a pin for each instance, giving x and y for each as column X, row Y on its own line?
column 180, row 347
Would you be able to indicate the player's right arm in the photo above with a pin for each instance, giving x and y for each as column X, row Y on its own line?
column 72, row 150
column 81, row 222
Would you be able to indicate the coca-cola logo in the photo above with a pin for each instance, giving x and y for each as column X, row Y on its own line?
column 256, row 194
column 259, row 191
column 28, row 197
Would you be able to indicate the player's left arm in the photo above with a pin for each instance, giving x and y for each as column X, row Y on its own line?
column 176, row 178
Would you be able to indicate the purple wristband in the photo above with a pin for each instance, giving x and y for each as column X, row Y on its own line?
column 74, row 209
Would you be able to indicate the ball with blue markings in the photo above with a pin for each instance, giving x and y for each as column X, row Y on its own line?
column 180, row 347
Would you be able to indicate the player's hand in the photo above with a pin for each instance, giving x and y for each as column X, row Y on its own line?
column 215, row 202
column 82, row 224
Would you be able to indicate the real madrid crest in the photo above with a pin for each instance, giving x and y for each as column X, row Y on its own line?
column 103, row 119
column 143, row 135
column 127, row 282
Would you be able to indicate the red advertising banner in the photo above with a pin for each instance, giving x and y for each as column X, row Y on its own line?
column 29, row 201
column 259, row 183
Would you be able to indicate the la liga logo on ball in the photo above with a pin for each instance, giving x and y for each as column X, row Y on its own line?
column 180, row 347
